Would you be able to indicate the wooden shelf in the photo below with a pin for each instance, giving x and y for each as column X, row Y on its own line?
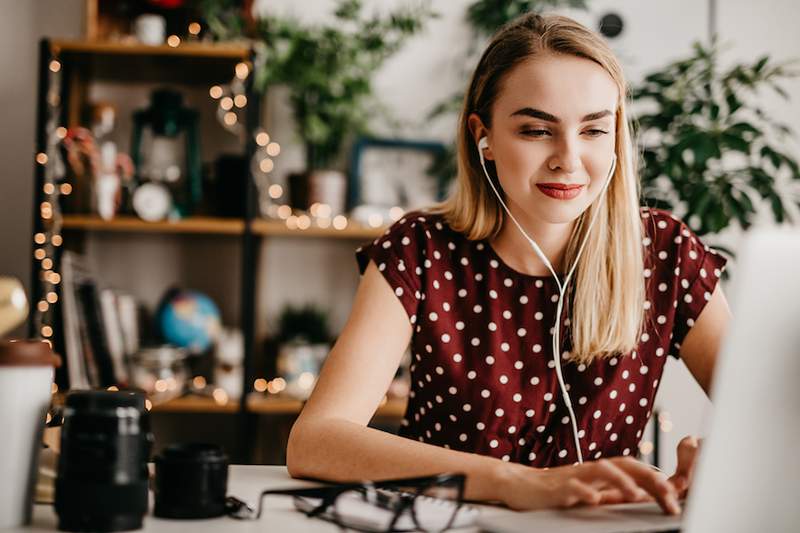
column 189, row 63
column 260, row 404
column 204, row 225
column 185, row 50
column 277, row 228
column 195, row 404
column 214, row 226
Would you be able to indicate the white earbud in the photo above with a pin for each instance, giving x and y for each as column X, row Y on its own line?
column 483, row 143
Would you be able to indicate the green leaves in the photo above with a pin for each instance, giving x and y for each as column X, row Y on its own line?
column 486, row 16
column 714, row 149
column 327, row 68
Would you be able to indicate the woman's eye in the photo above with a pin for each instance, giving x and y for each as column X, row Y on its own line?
column 535, row 133
column 596, row 132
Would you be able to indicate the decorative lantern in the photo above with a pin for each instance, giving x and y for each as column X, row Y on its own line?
column 166, row 149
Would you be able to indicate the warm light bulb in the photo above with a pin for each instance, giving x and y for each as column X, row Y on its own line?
column 275, row 191
column 194, row 28
column 340, row 222
column 226, row 103
column 266, row 165
column 56, row 240
column 47, row 263
column 42, row 306
column 61, row 132
column 242, row 70
column 303, row 222
column 215, row 92
column 39, row 254
column 260, row 385
column 262, row 139
column 230, row 118
column 66, row 189
column 41, row 158
column 47, row 331
column 52, row 297
column 55, row 65
column 273, row 149
column 39, row 238
column 396, row 213
column 174, row 41
column 240, row 100
column 284, row 211
column 199, row 382
column 49, row 188
column 220, row 396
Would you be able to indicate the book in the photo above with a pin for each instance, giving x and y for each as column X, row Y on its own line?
column 112, row 328
column 77, row 371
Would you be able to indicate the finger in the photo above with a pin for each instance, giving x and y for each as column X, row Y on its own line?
column 577, row 492
column 609, row 475
column 687, row 454
column 653, row 482
column 613, row 495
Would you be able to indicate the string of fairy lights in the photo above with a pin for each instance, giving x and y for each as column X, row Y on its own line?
column 49, row 239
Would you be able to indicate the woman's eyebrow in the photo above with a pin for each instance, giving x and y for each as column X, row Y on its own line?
column 547, row 117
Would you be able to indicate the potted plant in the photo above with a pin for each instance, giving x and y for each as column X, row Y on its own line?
column 710, row 153
column 303, row 340
column 328, row 70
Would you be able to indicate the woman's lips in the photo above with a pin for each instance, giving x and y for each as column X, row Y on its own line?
column 560, row 191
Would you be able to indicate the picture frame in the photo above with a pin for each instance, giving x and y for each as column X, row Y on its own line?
column 386, row 173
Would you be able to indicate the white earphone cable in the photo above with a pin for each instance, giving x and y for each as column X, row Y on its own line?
column 556, row 347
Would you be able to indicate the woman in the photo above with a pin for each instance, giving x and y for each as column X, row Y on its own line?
column 483, row 288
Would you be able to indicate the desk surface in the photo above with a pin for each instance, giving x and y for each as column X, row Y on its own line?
column 246, row 483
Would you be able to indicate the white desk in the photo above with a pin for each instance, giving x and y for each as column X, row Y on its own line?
column 246, row 483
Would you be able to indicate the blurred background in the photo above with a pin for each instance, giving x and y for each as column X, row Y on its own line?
column 185, row 182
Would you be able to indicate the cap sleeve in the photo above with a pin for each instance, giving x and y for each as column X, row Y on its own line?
column 399, row 255
column 699, row 270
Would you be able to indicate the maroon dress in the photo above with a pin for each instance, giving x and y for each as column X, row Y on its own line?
column 482, row 371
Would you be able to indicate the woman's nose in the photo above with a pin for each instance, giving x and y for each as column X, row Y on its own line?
column 565, row 158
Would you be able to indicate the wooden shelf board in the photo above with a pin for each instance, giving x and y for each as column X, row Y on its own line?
column 207, row 225
column 278, row 228
column 213, row 225
column 188, row 49
column 195, row 404
column 257, row 403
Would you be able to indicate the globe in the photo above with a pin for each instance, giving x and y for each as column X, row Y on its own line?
column 189, row 319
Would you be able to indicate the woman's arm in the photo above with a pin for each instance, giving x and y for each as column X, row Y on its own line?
column 331, row 440
column 701, row 346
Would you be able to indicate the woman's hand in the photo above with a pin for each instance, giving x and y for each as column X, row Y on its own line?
column 614, row 480
column 688, row 449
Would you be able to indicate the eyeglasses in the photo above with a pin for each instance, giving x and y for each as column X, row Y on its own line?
column 430, row 504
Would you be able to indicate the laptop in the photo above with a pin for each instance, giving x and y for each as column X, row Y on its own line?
column 748, row 474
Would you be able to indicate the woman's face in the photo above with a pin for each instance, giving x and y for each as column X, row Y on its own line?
column 552, row 136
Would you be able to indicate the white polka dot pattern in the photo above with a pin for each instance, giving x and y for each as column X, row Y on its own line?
column 483, row 379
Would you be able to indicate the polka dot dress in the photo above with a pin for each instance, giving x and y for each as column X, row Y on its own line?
column 482, row 373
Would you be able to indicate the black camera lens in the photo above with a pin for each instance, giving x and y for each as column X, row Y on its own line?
column 102, row 477
column 191, row 481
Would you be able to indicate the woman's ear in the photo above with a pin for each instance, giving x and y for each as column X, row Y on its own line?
column 478, row 132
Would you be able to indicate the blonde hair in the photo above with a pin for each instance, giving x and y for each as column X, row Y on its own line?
column 608, row 288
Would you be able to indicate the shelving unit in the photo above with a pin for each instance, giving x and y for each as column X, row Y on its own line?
column 83, row 62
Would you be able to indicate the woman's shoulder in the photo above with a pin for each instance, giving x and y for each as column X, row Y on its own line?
column 414, row 236
column 673, row 251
